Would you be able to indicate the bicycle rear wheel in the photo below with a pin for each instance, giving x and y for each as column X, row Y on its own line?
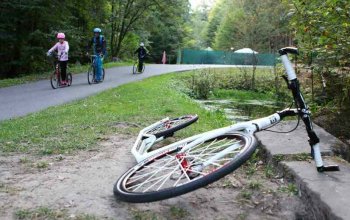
column 54, row 80
column 91, row 75
column 169, row 127
column 173, row 173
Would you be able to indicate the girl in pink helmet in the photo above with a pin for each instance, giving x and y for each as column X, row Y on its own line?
column 62, row 48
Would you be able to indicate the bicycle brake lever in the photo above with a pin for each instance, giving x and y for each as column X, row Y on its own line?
column 329, row 168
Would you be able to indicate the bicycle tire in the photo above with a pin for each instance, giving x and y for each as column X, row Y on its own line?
column 69, row 79
column 168, row 128
column 134, row 68
column 91, row 75
column 103, row 75
column 132, row 179
column 54, row 81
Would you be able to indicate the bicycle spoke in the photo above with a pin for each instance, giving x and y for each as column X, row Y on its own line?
column 174, row 169
column 157, row 175
column 156, row 172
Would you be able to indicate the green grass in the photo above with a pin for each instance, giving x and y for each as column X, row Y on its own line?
column 143, row 214
column 236, row 84
column 290, row 189
column 178, row 213
column 74, row 69
column 44, row 213
column 81, row 124
column 245, row 194
column 241, row 95
column 40, row 213
column 255, row 185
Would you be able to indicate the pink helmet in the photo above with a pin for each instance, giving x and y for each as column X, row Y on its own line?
column 61, row 36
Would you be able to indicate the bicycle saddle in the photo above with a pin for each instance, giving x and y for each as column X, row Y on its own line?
column 286, row 50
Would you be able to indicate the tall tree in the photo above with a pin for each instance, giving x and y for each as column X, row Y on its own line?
column 124, row 15
column 250, row 23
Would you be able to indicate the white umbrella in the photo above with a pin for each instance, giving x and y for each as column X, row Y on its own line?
column 245, row 50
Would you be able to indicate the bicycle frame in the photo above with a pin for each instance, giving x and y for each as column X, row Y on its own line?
column 144, row 142
column 57, row 67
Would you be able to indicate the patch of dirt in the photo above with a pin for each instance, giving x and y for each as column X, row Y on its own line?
column 83, row 184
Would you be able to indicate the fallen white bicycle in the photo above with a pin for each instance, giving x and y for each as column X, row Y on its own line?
column 199, row 160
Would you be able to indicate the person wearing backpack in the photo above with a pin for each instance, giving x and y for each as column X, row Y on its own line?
column 141, row 52
column 98, row 44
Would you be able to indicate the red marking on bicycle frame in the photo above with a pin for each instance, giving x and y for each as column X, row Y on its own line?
column 184, row 163
column 168, row 124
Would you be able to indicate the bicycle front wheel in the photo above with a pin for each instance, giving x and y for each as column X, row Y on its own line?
column 143, row 68
column 91, row 75
column 69, row 79
column 134, row 68
column 54, row 80
column 103, row 75
column 168, row 128
column 173, row 173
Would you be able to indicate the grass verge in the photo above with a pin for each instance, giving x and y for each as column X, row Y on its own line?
column 43, row 213
column 81, row 124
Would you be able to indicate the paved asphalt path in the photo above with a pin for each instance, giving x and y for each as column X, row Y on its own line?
column 27, row 98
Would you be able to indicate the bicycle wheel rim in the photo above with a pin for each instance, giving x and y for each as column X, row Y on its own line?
column 134, row 68
column 90, row 75
column 103, row 74
column 169, row 127
column 54, row 81
column 123, row 187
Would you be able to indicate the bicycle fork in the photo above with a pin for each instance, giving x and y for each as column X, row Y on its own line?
column 305, row 115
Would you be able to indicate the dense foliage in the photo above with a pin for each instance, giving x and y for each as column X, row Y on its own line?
column 28, row 29
column 236, row 24
column 322, row 31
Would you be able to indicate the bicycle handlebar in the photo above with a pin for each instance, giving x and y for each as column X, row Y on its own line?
column 302, row 109
column 55, row 55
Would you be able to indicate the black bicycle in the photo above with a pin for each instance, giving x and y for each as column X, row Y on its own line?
column 135, row 67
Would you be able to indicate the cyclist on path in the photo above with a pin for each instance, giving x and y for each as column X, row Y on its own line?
column 141, row 54
column 62, row 48
column 98, row 43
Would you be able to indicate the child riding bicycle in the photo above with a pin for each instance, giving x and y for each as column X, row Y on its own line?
column 62, row 48
column 99, row 49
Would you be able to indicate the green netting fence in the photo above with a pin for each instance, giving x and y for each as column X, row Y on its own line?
column 187, row 56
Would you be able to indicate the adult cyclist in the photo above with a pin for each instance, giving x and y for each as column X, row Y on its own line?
column 98, row 43
column 141, row 54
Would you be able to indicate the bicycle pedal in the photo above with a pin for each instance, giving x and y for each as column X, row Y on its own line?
column 329, row 168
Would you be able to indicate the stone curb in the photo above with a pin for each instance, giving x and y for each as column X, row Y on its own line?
column 326, row 195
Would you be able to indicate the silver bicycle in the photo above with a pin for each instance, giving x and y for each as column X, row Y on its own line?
column 199, row 160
